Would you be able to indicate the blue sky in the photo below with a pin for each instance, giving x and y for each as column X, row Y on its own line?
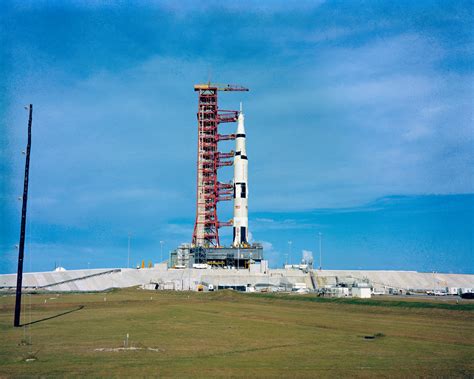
column 359, row 124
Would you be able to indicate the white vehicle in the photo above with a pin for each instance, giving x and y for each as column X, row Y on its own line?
column 210, row 287
column 200, row 266
column 298, row 286
column 302, row 290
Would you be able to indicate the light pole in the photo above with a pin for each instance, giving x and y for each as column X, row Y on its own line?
column 289, row 252
column 238, row 257
column 161, row 250
column 128, row 260
column 320, row 251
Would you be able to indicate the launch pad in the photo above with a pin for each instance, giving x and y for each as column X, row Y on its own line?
column 187, row 256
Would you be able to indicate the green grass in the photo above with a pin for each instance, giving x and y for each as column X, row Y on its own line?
column 404, row 303
column 228, row 334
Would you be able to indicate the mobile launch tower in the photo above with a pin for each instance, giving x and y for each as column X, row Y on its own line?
column 206, row 246
column 209, row 190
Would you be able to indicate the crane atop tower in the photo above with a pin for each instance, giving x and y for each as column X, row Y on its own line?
column 220, row 87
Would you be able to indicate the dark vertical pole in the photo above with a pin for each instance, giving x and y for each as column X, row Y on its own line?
column 21, row 252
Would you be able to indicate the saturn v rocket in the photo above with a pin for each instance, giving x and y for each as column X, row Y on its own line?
column 241, row 219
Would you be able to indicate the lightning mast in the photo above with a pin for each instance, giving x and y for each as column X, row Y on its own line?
column 209, row 190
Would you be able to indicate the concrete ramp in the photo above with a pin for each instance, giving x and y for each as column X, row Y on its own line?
column 104, row 279
column 399, row 279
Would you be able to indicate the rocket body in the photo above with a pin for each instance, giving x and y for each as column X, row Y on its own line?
column 241, row 220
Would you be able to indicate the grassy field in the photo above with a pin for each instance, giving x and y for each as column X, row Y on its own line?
column 226, row 334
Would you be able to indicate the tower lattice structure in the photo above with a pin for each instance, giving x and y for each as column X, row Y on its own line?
column 209, row 190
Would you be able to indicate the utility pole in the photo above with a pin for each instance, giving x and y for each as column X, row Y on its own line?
column 238, row 258
column 21, row 252
column 289, row 252
column 161, row 250
column 320, row 251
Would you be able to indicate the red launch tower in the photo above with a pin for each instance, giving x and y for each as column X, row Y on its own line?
column 209, row 190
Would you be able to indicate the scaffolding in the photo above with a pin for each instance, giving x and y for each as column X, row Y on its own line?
column 209, row 190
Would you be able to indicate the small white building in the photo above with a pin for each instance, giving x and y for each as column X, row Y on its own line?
column 361, row 292
column 452, row 290
column 150, row 286
column 337, row 291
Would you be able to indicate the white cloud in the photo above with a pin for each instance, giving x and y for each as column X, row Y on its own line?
column 184, row 8
column 377, row 119
column 262, row 224
column 181, row 230
column 273, row 256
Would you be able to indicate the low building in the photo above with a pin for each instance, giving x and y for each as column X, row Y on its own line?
column 361, row 292
column 217, row 257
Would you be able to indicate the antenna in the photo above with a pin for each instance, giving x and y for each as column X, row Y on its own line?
column 209, row 75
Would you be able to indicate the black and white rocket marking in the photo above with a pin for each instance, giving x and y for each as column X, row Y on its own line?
column 240, row 186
